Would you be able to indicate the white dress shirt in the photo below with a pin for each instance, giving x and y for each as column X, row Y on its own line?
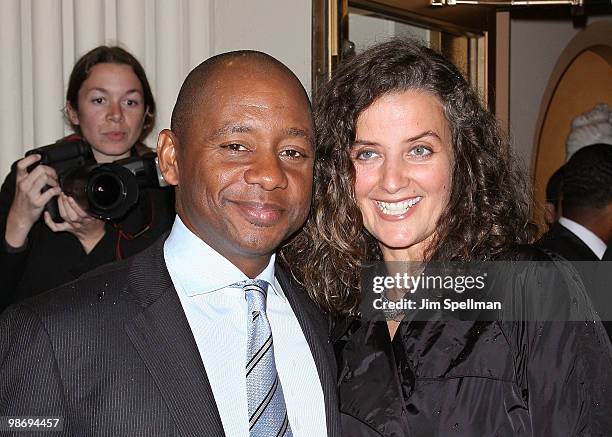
column 596, row 244
column 217, row 315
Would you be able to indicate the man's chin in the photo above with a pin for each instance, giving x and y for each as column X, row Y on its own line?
column 259, row 244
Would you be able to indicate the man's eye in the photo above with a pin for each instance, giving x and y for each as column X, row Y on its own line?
column 292, row 153
column 235, row 147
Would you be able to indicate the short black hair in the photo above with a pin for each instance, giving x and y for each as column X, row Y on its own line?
column 554, row 187
column 195, row 85
column 587, row 178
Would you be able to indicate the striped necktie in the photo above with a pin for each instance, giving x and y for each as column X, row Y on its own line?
column 267, row 409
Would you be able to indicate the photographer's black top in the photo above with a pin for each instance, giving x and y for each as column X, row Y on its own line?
column 51, row 259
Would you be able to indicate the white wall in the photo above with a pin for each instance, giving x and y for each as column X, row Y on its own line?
column 281, row 28
column 41, row 39
column 535, row 47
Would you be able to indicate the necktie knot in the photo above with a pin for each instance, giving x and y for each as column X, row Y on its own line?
column 255, row 292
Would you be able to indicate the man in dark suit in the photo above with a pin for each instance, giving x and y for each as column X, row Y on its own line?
column 204, row 333
column 584, row 231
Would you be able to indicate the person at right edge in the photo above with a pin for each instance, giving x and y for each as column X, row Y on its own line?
column 411, row 167
column 584, row 230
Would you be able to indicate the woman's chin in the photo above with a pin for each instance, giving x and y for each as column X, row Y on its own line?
column 398, row 248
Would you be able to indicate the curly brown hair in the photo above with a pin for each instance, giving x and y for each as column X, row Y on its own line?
column 489, row 207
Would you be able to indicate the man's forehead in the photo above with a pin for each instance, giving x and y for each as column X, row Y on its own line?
column 249, row 81
column 238, row 86
column 257, row 94
column 232, row 127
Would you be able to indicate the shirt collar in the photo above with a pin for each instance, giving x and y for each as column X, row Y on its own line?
column 196, row 268
column 594, row 243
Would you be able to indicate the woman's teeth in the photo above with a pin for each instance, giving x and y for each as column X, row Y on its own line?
column 398, row 208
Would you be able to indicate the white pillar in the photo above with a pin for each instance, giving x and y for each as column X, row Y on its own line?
column 10, row 84
column 131, row 25
column 110, row 22
column 47, row 60
column 201, row 31
column 89, row 25
column 171, row 57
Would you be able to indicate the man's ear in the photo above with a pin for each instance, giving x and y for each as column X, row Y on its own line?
column 550, row 213
column 166, row 152
column 73, row 115
column 609, row 221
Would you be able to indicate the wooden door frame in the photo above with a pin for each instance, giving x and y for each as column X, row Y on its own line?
column 330, row 34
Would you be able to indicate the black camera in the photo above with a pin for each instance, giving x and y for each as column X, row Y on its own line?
column 106, row 191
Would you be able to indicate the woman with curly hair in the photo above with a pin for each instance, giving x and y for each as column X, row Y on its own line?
column 411, row 167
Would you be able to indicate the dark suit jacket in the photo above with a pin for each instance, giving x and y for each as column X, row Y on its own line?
column 114, row 355
column 561, row 240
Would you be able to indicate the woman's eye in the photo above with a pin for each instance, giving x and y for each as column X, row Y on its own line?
column 365, row 155
column 131, row 102
column 421, row 151
column 98, row 100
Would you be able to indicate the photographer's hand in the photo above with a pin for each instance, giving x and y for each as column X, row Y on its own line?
column 29, row 202
column 89, row 230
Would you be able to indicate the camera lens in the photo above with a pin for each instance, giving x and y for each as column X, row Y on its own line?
column 106, row 190
column 112, row 189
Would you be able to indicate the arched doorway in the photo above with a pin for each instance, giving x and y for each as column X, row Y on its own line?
column 581, row 79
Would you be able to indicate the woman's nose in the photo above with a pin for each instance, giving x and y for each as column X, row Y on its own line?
column 394, row 175
column 115, row 112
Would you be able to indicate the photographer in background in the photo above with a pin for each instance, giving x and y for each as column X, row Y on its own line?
column 109, row 104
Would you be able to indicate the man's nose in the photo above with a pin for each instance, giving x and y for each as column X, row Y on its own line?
column 267, row 171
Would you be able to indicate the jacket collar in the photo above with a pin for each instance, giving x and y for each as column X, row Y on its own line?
column 164, row 341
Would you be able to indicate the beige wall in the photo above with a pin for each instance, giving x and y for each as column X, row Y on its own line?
column 281, row 28
column 534, row 50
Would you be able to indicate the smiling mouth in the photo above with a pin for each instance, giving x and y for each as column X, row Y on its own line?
column 397, row 208
column 260, row 214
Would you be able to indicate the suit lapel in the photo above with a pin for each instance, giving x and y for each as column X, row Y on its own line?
column 164, row 341
column 315, row 329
